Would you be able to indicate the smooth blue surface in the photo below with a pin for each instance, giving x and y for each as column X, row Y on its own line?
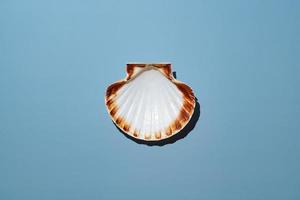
column 240, row 57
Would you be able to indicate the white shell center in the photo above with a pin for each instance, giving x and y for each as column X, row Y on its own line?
column 149, row 103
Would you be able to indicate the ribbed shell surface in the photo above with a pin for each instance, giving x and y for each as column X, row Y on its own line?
column 150, row 104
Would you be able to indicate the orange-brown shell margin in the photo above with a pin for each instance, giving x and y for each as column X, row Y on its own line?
column 178, row 124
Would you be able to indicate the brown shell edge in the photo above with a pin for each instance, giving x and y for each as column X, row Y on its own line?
column 179, row 123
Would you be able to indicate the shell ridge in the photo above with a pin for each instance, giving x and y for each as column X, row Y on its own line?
column 167, row 113
column 137, row 116
column 178, row 101
column 157, row 120
column 133, row 107
column 151, row 124
column 166, row 121
column 112, row 89
column 145, row 131
column 127, row 100
column 189, row 102
column 124, row 92
column 129, row 107
column 172, row 102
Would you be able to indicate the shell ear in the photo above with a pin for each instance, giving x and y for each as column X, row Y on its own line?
column 132, row 69
column 166, row 69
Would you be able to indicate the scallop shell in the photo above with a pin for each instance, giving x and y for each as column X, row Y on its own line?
column 150, row 104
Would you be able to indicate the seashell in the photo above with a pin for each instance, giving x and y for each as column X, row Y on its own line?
column 150, row 104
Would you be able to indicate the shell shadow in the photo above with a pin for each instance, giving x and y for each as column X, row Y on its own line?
column 180, row 135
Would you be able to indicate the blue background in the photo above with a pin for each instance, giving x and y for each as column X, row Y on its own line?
column 240, row 57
